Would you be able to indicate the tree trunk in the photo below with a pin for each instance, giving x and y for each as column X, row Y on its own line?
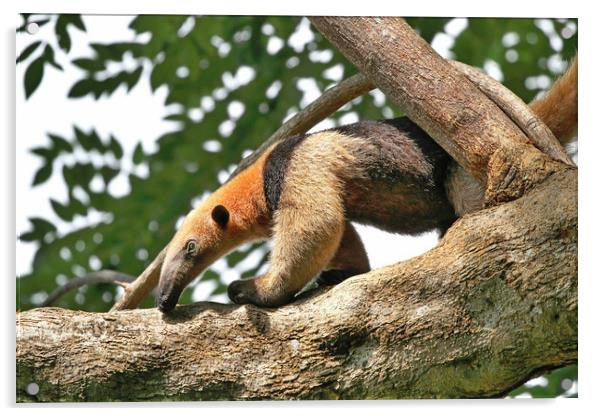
column 493, row 304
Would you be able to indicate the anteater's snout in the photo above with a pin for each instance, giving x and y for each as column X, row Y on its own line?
column 168, row 298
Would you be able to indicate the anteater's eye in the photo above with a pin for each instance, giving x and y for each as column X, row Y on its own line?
column 191, row 248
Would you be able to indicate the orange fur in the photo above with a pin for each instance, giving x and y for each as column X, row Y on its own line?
column 558, row 107
column 243, row 197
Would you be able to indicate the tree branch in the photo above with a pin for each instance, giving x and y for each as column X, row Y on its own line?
column 493, row 304
column 102, row 276
column 144, row 284
column 523, row 116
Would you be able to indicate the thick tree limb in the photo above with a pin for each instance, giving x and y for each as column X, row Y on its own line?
column 493, row 304
column 535, row 129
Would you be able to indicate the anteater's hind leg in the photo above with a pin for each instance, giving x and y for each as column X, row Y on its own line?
column 350, row 259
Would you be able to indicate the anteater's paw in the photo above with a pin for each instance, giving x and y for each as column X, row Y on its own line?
column 242, row 291
column 257, row 292
column 333, row 277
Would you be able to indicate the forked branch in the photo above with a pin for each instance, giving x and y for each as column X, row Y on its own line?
column 135, row 292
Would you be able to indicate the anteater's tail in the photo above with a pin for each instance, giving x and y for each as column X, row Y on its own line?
column 558, row 107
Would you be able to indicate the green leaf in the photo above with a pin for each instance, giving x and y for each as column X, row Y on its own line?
column 61, row 29
column 40, row 227
column 76, row 20
column 84, row 173
column 108, row 173
column 44, row 153
column 78, row 174
column 33, row 76
column 82, row 139
column 49, row 56
column 60, row 144
column 90, row 65
column 69, row 176
column 42, row 174
column 77, row 206
column 89, row 141
column 64, row 212
column 29, row 236
column 96, row 141
column 138, row 154
column 115, row 148
column 133, row 77
column 81, row 88
column 42, row 224
column 62, row 33
column 28, row 51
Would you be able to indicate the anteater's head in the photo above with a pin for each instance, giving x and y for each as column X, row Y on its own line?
column 234, row 214
column 206, row 234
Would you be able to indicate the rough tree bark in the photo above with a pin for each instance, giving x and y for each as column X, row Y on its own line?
column 493, row 304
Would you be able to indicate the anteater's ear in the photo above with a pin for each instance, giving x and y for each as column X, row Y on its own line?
column 220, row 215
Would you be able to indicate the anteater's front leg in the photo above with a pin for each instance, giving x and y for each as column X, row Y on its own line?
column 305, row 240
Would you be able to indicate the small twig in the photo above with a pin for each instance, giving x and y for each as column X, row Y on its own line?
column 124, row 284
column 102, row 276
column 136, row 291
